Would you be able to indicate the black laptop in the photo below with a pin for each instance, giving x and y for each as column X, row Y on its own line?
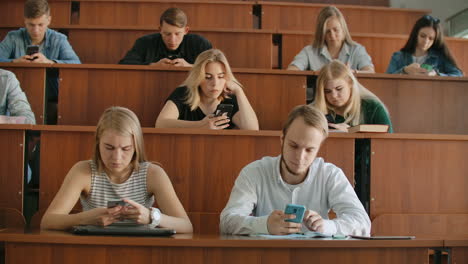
column 121, row 230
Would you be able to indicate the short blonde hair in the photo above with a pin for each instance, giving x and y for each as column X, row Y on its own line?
column 123, row 121
column 197, row 74
column 336, row 70
column 311, row 116
column 323, row 17
column 36, row 8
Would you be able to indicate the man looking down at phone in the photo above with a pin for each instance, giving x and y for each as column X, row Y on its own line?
column 118, row 171
column 46, row 45
column 209, row 85
column 172, row 46
column 266, row 186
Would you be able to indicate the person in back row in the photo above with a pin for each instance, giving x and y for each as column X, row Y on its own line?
column 118, row 171
column 425, row 52
column 209, row 85
column 345, row 101
column 332, row 41
column 14, row 106
column 266, row 186
column 172, row 46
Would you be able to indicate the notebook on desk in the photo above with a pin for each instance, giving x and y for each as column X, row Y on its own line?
column 121, row 230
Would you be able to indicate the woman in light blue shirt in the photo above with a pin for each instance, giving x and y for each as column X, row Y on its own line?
column 425, row 52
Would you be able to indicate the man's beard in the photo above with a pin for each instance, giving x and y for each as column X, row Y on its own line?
column 283, row 161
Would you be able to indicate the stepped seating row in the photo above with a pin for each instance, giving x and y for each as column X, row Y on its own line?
column 217, row 14
column 260, row 49
column 411, row 176
column 431, row 105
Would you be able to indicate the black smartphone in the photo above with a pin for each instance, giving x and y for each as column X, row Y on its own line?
column 330, row 119
column 172, row 57
column 224, row 108
column 32, row 49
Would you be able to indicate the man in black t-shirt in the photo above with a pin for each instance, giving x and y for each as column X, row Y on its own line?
column 172, row 46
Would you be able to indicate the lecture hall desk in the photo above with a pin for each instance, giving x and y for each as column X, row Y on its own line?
column 61, row 247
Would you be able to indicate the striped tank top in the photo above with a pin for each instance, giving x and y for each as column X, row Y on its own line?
column 103, row 190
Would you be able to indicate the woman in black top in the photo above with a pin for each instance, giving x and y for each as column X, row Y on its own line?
column 210, row 83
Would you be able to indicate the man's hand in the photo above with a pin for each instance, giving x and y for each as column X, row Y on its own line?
column 40, row 58
column 313, row 221
column 277, row 226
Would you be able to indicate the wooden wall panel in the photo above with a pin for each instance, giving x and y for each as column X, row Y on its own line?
column 146, row 13
column 421, row 225
column 380, row 47
column 290, row 16
column 201, row 170
column 12, row 12
column 82, row 99
column 416, row 176
column 243, row 49
column 32, row 82
column 422, row 105
column 12, row 168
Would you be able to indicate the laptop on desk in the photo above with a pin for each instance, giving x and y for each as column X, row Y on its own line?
column 121, row 230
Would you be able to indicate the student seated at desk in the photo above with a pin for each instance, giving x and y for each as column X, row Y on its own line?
column 332, row 41
column 265, row 186
column 118, row 170
column 173, row 46
column 14, row 106
column 341, row 97
column 209, row 84
column 425, row 52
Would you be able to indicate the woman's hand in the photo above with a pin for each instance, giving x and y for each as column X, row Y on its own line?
column 232, row 87
column 342, row 127
column 414, row 68
column 216, row 122
column 104, row 216
column 136, row 212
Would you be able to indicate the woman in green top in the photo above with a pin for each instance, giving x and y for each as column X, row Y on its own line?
column 345, row 101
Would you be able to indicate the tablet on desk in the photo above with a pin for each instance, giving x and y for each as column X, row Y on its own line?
column 384, row 237
column 121, row 230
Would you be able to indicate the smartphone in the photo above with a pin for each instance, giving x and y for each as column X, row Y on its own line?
column 295, row 209
column 172, row 57
column 330, row 119
column 427, row 67
column 224, row 108
column 114, row 203
column 32, row 49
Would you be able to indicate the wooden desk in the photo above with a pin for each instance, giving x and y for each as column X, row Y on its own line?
column 202, row 165
column 363, row 19
column 379, row 46
column 418, row 174
column 12, row 140
column 60, row 247
column 243, row 48
column 459, row 249
column 87, row 90
column 32, row 80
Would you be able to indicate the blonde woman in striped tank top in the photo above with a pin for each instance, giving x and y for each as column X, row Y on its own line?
column 118, row 170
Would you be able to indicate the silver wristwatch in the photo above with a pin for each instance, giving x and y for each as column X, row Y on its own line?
column 155, row 217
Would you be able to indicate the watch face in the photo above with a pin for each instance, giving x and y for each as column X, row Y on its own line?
column 155, row 216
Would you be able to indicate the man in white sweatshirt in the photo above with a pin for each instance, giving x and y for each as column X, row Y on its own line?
column 266, row 186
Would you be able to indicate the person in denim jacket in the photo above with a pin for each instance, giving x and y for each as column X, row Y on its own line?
column 425, row 52
column 53, row 46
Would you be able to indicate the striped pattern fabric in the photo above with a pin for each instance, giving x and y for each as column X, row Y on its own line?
column 103, row 190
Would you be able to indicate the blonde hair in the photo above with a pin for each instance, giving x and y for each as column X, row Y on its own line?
column 312, row 117
column 197, row 74
column 323, row 17
column 353, row 113
column 123, row 121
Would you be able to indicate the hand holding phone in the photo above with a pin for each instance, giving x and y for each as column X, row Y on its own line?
column 295, row 209
column 114, row 203
column 224, row 108
column 31, row 50
column 427, row 67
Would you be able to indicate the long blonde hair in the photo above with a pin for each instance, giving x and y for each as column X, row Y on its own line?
column 353, row 113
column 123, row 121
column 323, row 17
column 197, row 74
